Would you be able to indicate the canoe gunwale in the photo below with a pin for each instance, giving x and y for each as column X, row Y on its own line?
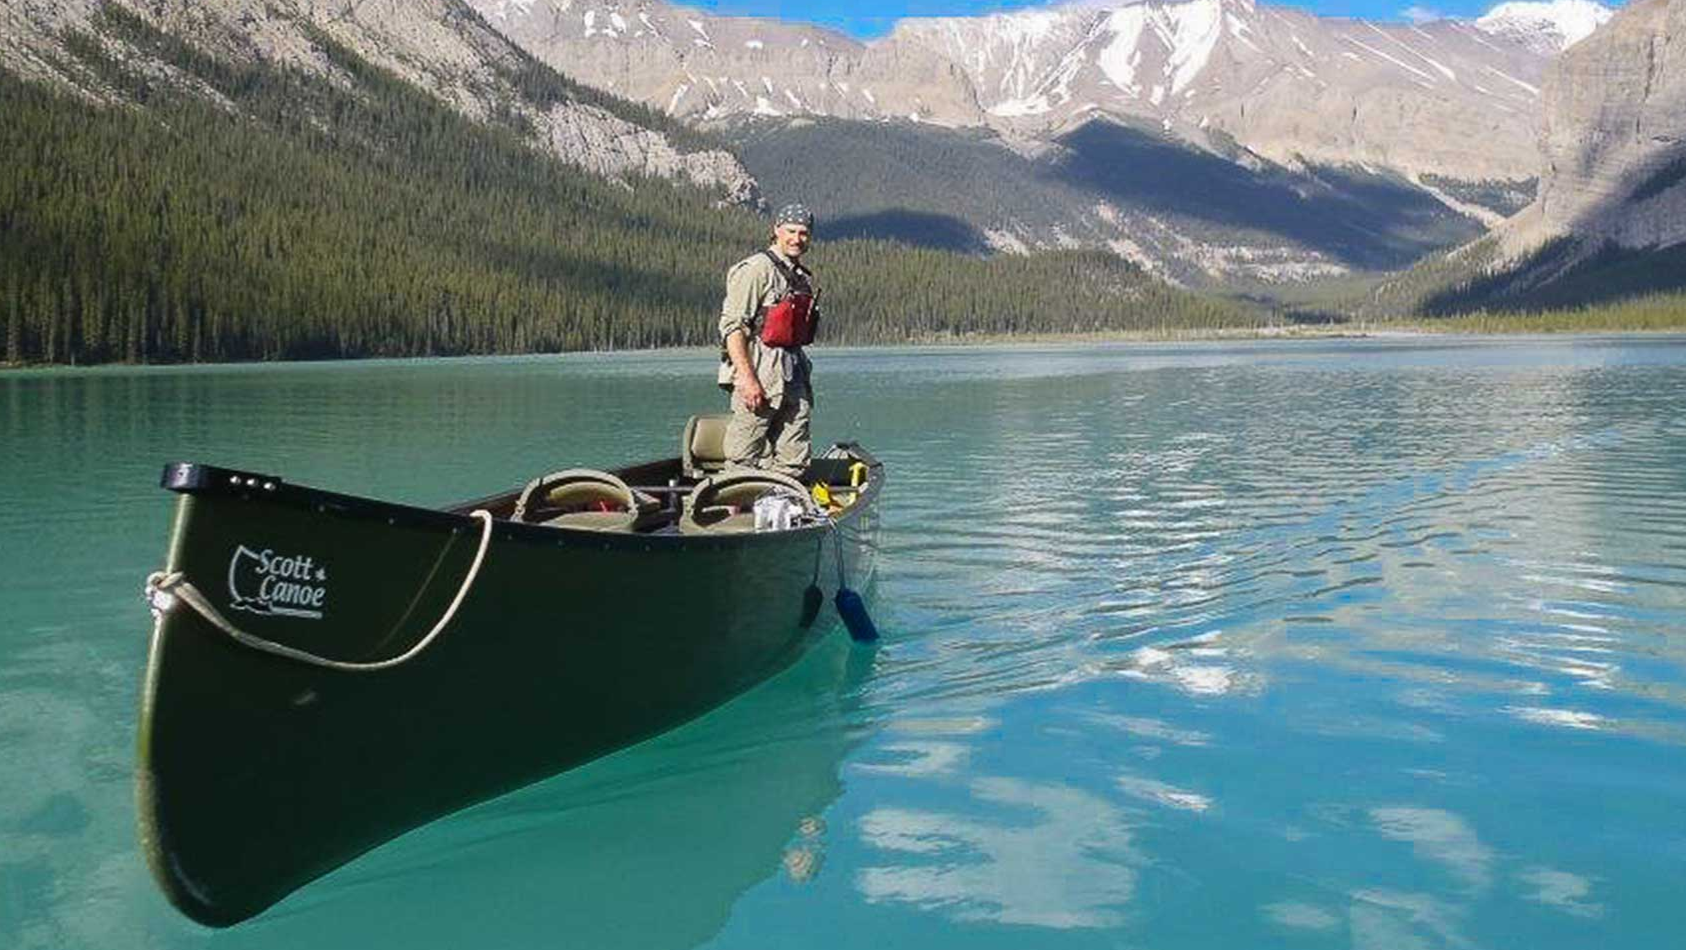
column 195, row 478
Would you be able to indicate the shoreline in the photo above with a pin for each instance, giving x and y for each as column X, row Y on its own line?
column 1165, row 335
column 1368, row 330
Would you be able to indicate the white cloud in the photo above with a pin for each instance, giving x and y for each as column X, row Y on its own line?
column 1420, row 14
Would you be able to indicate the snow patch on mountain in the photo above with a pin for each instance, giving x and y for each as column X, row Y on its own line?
column 1195, row 30
column 1557, row 24
column 1121, row 57
column 1186, row 32
column 505, row 9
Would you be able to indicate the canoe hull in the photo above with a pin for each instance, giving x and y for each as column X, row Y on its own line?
column 258, row 773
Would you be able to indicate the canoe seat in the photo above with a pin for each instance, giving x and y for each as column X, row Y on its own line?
column 702, row 449
column 585, row 499
column 726, row 503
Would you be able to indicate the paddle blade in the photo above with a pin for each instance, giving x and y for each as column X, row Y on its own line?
column 853, row 611
column 812, row 598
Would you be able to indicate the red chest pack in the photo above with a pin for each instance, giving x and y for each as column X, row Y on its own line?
column 794, row 319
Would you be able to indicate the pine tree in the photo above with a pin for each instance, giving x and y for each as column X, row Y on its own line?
column 320, row 222
column 14, row 320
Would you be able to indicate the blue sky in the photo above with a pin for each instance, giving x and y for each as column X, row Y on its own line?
column 866, row 18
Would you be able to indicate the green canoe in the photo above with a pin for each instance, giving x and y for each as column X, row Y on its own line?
column 327, row 672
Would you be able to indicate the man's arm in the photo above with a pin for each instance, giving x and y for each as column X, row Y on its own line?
column 745, row 286
column 743, row 375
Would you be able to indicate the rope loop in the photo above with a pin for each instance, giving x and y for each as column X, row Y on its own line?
column 164, row 590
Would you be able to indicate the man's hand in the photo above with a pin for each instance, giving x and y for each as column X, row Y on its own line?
column 749, row 390
column 744, row 383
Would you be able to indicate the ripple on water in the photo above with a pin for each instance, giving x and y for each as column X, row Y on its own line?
column 1375, row 645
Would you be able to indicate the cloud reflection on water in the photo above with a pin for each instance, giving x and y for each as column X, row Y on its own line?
column 1163, row 793
column 1300, row 916
column 1562, row 890
column 920, row 759
column 1567, row 718
column 1442, row 837
column 1365, row 577
column 1068, row 863
column 1396, row 920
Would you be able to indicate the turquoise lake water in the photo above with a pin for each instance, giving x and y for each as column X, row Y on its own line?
column 1369, row 644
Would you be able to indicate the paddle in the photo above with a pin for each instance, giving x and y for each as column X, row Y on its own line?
column 850, row 606
column 853, row 611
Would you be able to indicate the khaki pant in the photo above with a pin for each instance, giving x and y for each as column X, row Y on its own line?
column 776, row 438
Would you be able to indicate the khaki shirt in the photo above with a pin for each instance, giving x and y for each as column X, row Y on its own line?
column 752, row 285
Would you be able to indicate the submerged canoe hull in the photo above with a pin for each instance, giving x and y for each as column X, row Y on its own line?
column 258, row 773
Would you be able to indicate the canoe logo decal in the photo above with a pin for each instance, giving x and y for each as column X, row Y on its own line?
column 263, row 582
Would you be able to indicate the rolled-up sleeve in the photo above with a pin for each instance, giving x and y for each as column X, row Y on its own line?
column 745, row 287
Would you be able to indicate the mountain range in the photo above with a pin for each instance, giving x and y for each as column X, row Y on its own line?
column 1450, row 97
column 1214, row 142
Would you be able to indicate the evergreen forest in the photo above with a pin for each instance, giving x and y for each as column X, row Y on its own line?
column 288, row 217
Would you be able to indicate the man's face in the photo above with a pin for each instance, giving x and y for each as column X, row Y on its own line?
column 791, row 240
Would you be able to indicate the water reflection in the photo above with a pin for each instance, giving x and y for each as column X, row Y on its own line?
column 68, row 869
column 1048, row 857
column 1297, row 916
column 1441, row 837
column 1401, row 920
column 1370, row 646
column 1561, row 890
column 1162, row 793
column 1371, row 915
column 1193, row 666
column 1378, row 574
column 681, row 826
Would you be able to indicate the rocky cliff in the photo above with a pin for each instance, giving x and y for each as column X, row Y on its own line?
column 1609, row 221
column 442, row 46
column 1613, row 137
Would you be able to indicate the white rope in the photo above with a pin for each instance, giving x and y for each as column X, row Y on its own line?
column 164, row 589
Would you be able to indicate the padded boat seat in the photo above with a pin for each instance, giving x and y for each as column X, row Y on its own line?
column 585, row 499
column 726, row 503
column 702, row 448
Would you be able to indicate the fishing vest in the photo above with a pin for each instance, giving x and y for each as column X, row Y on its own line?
column 792, row 320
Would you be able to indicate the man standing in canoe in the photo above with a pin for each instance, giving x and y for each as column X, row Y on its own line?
column 768, row 315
